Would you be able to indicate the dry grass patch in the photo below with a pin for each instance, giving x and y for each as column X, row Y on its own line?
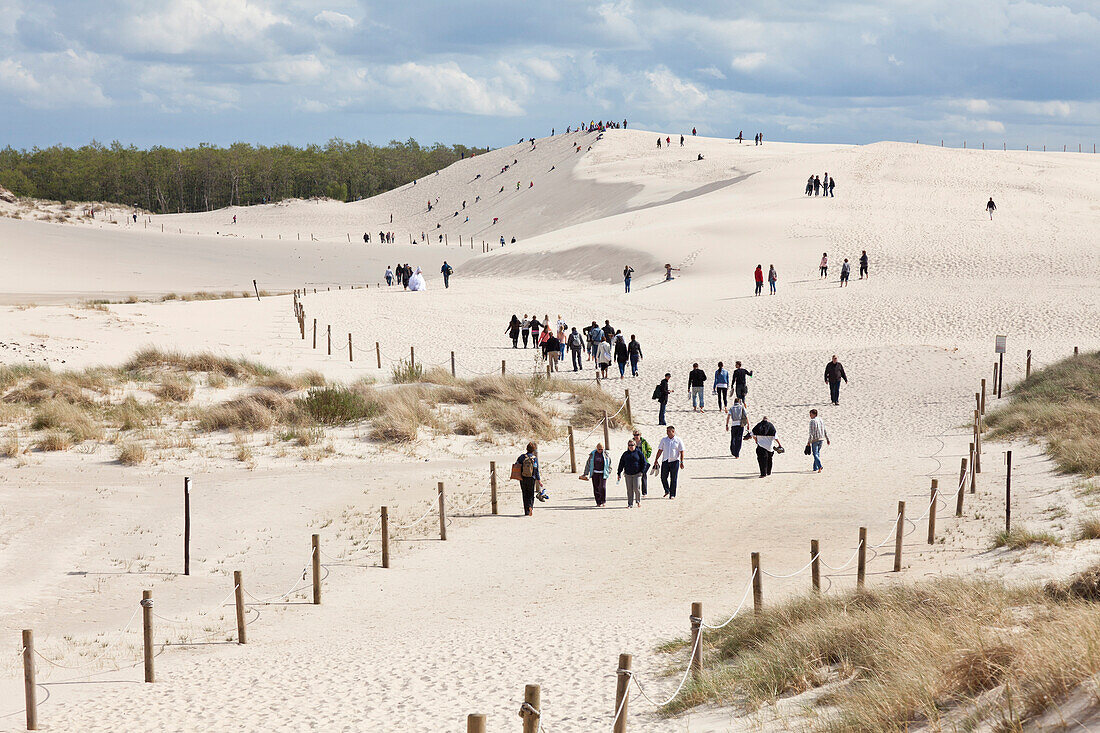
column 1021, row 536
column 133, row 415
column 175, row 388
column 257, row 411
column 78, row 421
column 55, row 440
column 908, row 656
column 404, row 412
column 10, row 448
column 1089, row 528
column 155, row 360
column 1061, row 405
column 292, row 383
column 131, row 453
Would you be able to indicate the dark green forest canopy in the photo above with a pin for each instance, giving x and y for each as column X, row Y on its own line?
column 167, row 180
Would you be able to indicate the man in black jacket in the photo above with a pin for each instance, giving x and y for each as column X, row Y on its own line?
column 834, row 372
column 661, row 393
column 766, row 441
column 696, row 379
column 740, row 385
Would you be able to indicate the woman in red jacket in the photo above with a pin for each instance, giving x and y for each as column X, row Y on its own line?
column 759, row 275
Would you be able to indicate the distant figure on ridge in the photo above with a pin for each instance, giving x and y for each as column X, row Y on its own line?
column 990, row 207
column 627, row 272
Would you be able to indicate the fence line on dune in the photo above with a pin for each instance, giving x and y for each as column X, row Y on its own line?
column 531, row 709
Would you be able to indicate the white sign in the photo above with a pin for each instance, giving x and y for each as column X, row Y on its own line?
column 1001, row 344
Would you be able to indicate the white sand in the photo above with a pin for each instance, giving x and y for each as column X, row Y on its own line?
column 461, row 626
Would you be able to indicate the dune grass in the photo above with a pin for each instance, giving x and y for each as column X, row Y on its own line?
column 1022, row 536
column 55, row 440
column 131, row 453
column 156, row 360
column 340, row 405
column 1059, row 404
column 947, row 654
column 77, row 420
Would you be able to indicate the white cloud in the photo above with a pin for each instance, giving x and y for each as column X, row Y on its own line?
column 291, row 70
column 670, row 92
column 712, row 71
column 749, row 61
column 441, row 87
column 977, row 106
column 542, row 69
column 869, row 39
column 54, row 80
column 1052, row 108
column 991, row 126
column 173, row 89
column 334, row 19
column 14, row 77
column 220, row 27
column 894, row 60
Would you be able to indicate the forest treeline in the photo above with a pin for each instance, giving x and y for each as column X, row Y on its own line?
column 167, row 180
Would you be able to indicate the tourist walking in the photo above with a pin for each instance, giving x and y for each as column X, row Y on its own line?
column 389, row 275
column 758, row 276
column 832, row 185
column 447, row 271
column 818, row 435
column 622, row 355
column 627, row 272
column 525, row 329
column 634, row 350
column 721, row 385
column 553, row 350
column 597, row 470
column 661, row 393
column 603, row 357
column 697, row 379
column 845, row 273
column 991, row 207
column 763, row 434
column 772, row 277
column 647, row 451
column 529, row 477
column 575, row 343
column 513, row 331
column 672, row 448
column 823, row 268
column 740, row 382
column 633, row 463
column 737, row 424
column 834, row 372
column 536, row 327
column 863, row 265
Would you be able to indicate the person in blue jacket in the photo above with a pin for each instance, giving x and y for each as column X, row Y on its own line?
column 722, row 386
column 598, row 470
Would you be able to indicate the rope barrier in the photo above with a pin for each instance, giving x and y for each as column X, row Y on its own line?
column 106, row 648
column 748, row 587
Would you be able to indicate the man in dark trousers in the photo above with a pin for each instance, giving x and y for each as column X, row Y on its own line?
column 834, row 372
column 766, row 441
column 447, row 270
column 661, row 393
column 740, row 387
column 697, row 378
column 991, row 207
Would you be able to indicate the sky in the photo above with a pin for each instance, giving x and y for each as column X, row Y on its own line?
column 487, row 73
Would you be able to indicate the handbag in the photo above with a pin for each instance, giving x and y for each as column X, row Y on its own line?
column 517, row 468
column 807, row 451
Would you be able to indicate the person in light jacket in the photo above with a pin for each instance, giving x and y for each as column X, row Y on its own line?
column 604, row 357
column 598, row 470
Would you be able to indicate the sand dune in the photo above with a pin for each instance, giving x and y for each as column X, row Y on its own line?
column 461, row 626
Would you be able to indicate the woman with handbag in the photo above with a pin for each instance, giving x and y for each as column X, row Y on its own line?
column 598, row 470
column 526, row 471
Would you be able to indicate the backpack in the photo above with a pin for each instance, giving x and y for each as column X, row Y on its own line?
column 656, row 392
column 527, row 467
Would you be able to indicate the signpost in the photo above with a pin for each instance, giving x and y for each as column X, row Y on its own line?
column 1000, row 349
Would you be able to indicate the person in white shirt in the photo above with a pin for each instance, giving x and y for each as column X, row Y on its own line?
column 738, row 418
column 672, row 448
column 766, row 442
column 817, row 437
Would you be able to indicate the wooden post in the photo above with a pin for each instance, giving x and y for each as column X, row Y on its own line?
column 1008, row 491
column 757, row 584
column 981, row 402
column 1075, row 351
column 696, row 640
column 453, row 375
column 493, row 486
column 502, row 367
column 316, row 562
column 378, row 353
column 622, row 692
column 385, row 537
column 442, row 513
column 1027, row 373
column 412, row 356
column 629, row 419
column 861, row 562
column 572, row 452
column 547, row 371
column 315, row 333
column 977, row 442
column 994, row 386
column 815, row 565
column 932, row 512
column 962, row 488
column 186, row 525
column 475, row 723
column 606, row 439
column 532, row 708
column 147, row 631
column 329, row 340
column 238, row 597
column 30, row 687
column 351, row 356
column 257, row 289
column 973, row 473
column 899, row 534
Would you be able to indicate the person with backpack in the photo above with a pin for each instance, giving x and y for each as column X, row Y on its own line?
column 634, row 350
column 529, row 477
column 697, row 379
column 737, row 424
column 773, row 276
column 721, row 385
column 575, row 343
column 661, row 393
column 552, row 349
column 598, row 470
column 634, row 464
column 447, row 271
column 513, row 331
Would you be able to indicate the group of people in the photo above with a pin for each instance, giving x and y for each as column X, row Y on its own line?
column 603, row 345
column 383, row 237
column 758, row 277
column 594, row 126
column 820, row 186
column 407, row 277
column 845, row 268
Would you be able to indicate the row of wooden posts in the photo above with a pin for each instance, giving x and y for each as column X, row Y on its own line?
column 531, row 709
column 1027, row 148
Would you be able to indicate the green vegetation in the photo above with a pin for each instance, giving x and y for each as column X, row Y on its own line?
column 1061, row 405
column 338, row 405
column 166, row 180
column 947, row 655
column 1021, row 536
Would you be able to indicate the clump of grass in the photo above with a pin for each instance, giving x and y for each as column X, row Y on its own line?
column 10, row 447
column 404, row 412
column 11, row 374
column 1021, row 536
column 523, row 416
column 467, row 425
column 133, row 415
column 74, row 387
column 131, row 453
column 175, row 388
column 55, row 440
column 57, row 414
column 592, row 403
column 257, row 411
column 1061, row 405
column 407, row 371
column 284, row 383
column 244, row 449
column 1089, row 528
column 303, row 437
column 152, row 359
column 339, row 405
column 934, row 654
